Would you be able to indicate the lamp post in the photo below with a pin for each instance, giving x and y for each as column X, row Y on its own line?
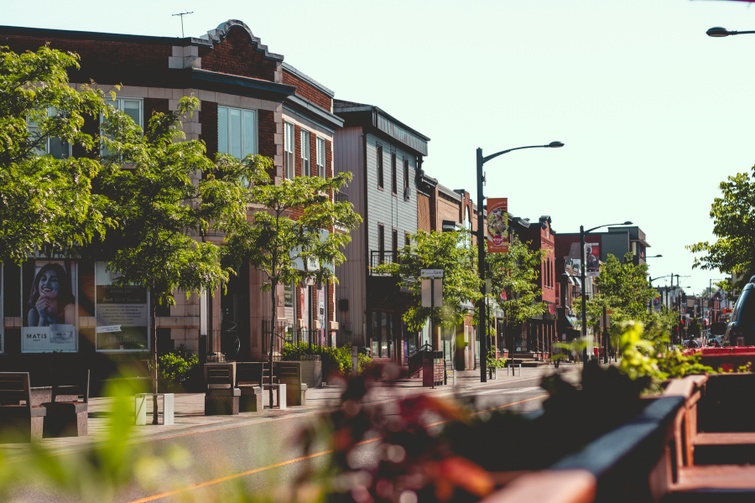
column 482, row 315
column 718, row 32
column 582, row 278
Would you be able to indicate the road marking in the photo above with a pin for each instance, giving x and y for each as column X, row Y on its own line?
column 506, row 392
column 255, row 471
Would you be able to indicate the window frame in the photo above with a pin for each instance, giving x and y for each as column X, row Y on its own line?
column 248, row 141
column 320, row 147
column 380, row 167
column 289, row 150
column 305, row 154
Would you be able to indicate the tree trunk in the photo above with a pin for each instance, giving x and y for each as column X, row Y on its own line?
column 272, row 341
column 153, row 315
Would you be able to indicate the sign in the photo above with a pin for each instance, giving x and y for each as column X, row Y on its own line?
column 49, row 321
column 432, row 292
column 498, row 225
column 122, row 314
column 431, row 273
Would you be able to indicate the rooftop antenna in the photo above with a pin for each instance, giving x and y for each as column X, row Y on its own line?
column 182, row 14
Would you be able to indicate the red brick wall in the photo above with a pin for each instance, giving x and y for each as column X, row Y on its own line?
column 308, row 91
column 237, row 54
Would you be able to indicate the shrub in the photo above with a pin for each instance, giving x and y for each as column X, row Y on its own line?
column 178, row 370
column 334, row 360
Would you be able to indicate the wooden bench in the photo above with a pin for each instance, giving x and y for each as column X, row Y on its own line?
column 222, row 396
column 289, row 373
column 20, row 421
column 249, row 381
column 68, row 408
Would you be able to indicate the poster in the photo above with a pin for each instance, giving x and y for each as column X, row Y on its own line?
column 49, row 307
column 498, row 225
column 122, row 314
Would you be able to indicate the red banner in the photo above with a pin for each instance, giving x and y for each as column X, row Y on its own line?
column 498, row 225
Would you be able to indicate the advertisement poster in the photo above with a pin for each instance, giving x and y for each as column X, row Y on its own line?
column 122, row 314
column 498, row 225
column 592, row 259
column 49, row 307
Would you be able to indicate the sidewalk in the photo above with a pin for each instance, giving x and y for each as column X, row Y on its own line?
column 189, row 414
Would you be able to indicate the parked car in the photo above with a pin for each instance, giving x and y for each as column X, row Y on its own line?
column 741, row 329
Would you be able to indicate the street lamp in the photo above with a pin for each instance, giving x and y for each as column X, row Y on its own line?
column 718, row 32
column 583, row 267
column 482, row 325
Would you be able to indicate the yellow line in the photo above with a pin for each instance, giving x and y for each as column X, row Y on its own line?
column 254, row 471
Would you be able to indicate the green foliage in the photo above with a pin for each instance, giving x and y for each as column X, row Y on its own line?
column 493, row 362
column 46, row 204
column 449, row 251
column 515, row 273
column 177, row 368
column 334, row 360
column 161, row 204
column 734, row 227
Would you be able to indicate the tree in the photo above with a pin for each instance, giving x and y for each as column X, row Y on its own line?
column 623, row 290
column 733, row 217
column 165, row 195
column 449, row 251
column 514, row 276
column 46, row 203
column 287, row 236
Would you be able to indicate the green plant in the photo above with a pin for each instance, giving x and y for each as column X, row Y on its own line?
column 494, row 362
column 334, row 360
column 177, row 368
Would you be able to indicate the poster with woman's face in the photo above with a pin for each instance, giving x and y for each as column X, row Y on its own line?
column 49, row 307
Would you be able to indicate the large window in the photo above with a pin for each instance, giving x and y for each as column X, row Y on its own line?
column 289, row 170
column 305, row 153
column 406, row 177
column 237, row 131
column 321, row 157
column 56, row 147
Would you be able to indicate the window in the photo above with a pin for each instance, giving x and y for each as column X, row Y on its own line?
column 305, row 154
column 394, row 244
column 56, row 147
column 380, row 167
column 288, row 148
column 407, row 239
column 394, row 181
column 381, row 243
column 133, row 107
column 237, row 131
column 406, row 177
column 321, row 158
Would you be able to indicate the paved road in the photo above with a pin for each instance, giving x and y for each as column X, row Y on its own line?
column 225, row 451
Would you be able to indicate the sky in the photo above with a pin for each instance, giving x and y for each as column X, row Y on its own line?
column 653, row 113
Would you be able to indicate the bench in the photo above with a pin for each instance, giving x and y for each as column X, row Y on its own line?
column 289, row 373
column 249, row 381
column 68, row 409
column 20, row 421
column 221, row 396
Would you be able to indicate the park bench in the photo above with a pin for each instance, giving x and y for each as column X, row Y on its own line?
column 249, row 381
column 68, row 409
column 289, row 373
column 19, row 419
column 221, row 396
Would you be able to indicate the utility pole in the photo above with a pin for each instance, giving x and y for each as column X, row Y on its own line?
column 181, row 15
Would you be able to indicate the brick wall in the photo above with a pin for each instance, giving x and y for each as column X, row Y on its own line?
column 238, row 54
column 307, row 91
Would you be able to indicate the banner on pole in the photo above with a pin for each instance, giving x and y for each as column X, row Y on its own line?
column 498, row 225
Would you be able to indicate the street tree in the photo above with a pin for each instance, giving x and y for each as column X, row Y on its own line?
column 733, row 215
column 46, row 203
column 623, row 291
column 165, row 195
column 296, row 233
column 451, row 252
column 514, row 282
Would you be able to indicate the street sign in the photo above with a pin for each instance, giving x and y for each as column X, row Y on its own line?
column 431, row 273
